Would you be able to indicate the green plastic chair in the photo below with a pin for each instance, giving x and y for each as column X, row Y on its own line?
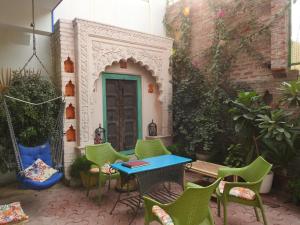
column 253, row 176
column 150, row 148
column 100, row 154
column 191, row 208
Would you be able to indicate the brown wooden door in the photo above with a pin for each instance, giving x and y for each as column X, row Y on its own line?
column 121, row 106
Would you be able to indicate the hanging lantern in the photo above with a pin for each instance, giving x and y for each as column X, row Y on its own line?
column 152, row 128
column 99, row 135
column 69, row 65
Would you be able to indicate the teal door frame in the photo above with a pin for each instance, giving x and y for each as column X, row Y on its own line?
column 115, row 76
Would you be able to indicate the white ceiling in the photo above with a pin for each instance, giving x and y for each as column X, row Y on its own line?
column 17, row 13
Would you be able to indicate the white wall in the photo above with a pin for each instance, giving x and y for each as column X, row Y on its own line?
column 16, row 48
column 140, row 15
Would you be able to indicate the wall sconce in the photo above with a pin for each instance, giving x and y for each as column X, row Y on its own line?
column 150, row 88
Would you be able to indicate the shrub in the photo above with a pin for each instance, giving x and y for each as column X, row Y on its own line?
column 32, row 124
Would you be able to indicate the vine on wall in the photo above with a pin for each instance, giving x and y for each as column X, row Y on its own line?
column 200, row 119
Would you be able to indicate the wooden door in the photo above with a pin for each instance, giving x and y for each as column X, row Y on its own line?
column 121, row 106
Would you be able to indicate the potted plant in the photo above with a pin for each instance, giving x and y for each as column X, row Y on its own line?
column 80, row 170
column 277, row 135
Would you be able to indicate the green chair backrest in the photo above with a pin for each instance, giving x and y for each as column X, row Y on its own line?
column 150, row 148
column 257, row 170
column 101, row 153
column 192, row 207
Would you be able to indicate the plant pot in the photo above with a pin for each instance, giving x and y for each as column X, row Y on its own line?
column 267, row 183
column 89, row 180
column 203, row 156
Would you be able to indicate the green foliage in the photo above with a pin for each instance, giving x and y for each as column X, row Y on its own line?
column 236, row 156
column 245, row 110
column 80, row 164
column 275, row 125
column 32, row 124
column 294, row 186
column 277, row 135
column 200, row 117
column 261, row 131
column 290, row 93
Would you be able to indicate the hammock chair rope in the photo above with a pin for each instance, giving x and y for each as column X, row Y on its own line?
column 34, row 54
column 31, row 103
column 13, row 137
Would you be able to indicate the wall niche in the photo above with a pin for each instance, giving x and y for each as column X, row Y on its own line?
column 70, row 89
column 70, row 112
column 71, row 134
column 69, row 65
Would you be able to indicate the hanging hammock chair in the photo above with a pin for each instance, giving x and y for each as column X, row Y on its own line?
column 50, row 152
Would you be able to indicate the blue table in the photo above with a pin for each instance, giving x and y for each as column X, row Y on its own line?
column 161, row 169
column 155, row 163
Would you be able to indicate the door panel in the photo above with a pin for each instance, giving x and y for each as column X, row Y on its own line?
column 121, row 113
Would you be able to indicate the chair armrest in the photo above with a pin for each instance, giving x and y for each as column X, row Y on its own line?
column 121, row 157
column 227, row 171
column 191, row 185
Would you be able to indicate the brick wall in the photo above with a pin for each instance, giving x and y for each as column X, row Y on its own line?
column 245, row 68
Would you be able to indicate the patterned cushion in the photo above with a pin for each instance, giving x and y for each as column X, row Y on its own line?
column 239, row 192
column 12, row 213
column 164, row 217
column 106, row 168
column 39, row 171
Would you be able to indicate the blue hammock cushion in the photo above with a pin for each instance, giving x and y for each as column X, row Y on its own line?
column 28, row 156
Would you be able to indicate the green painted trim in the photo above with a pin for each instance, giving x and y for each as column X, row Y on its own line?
column 106, row 76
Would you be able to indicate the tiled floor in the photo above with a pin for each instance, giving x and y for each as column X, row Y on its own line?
column 61, row 205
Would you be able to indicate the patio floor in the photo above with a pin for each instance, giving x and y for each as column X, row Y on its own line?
column 61, row 205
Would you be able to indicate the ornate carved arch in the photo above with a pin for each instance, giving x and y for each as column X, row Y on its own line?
column 98, row 45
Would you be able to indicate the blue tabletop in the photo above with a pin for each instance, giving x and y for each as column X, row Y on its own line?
column 154, row 163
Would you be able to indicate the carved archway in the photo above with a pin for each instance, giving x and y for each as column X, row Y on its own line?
column 98, row 46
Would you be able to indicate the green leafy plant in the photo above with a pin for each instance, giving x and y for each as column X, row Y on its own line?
column 200, row 117
column 290, row 93
column 294, row 187
column 80, row 164
column 277, row 135
column 32, row 124
column 235, row 156
column 245, row 110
